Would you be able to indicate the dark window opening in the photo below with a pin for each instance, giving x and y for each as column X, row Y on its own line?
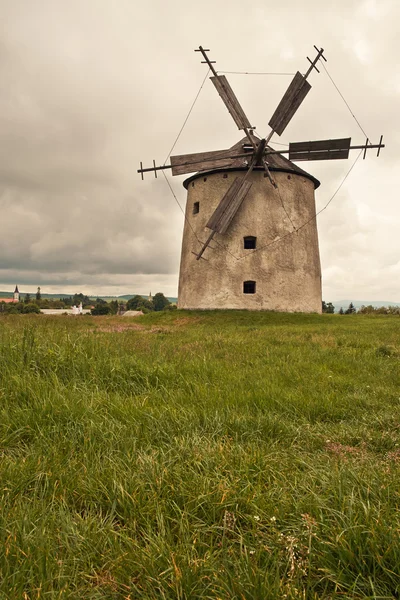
column 196, row 208
column 249, row 287
column 249, row 242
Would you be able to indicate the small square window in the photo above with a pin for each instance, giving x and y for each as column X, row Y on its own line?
column 249, row 287
column 249, row 242
column 196, row 208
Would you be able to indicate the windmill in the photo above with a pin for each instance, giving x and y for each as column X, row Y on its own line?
column 248, row 196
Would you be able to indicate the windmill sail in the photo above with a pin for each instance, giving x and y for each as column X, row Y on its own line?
column 189, row 163
column 231, row 102
column 290, row 102
column 229, row 205
column 320, row 150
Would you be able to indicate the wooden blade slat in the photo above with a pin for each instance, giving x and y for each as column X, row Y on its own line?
column 322, row 155
column 293, row 97
column 231, row 102
column 337, row 144
column 189, row 163
column 229, row 205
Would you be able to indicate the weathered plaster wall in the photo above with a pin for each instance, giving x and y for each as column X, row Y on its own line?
column 287, row 273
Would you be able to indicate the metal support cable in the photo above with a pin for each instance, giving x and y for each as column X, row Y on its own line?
column 179, row 204
column 252, row 73
column 198, row 240
column 345, row 101
column 187, row 117
column 187, row 220
column 283, row 206
column 171, row 150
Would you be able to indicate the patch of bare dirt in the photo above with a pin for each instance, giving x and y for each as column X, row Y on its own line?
column 394, row 456
column 344, row 451
column 120, row 328
column 186, row 321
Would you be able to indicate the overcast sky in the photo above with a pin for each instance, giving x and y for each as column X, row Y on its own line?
column 91, row 87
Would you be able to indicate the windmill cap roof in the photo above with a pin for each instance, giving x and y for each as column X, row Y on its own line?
column 276, row 162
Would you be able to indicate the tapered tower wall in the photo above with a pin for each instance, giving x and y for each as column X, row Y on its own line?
column 287, row 273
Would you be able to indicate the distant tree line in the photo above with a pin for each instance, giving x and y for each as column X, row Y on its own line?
column 382, row 310
column 327, row 307
column 75, row 300
column 19, row 308
column 157, row 303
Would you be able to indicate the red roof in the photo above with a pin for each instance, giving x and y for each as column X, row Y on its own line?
column 8, row 300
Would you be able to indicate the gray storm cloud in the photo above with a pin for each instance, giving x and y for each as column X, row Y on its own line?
column 89, row 89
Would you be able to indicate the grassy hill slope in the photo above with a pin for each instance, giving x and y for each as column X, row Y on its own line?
column 200, row 455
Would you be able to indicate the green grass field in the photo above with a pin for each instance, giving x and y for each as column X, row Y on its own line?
column 200, row 455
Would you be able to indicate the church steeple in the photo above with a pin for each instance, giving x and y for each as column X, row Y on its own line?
column 16, row 294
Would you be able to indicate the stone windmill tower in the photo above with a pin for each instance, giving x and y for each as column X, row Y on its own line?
column 246, row 199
